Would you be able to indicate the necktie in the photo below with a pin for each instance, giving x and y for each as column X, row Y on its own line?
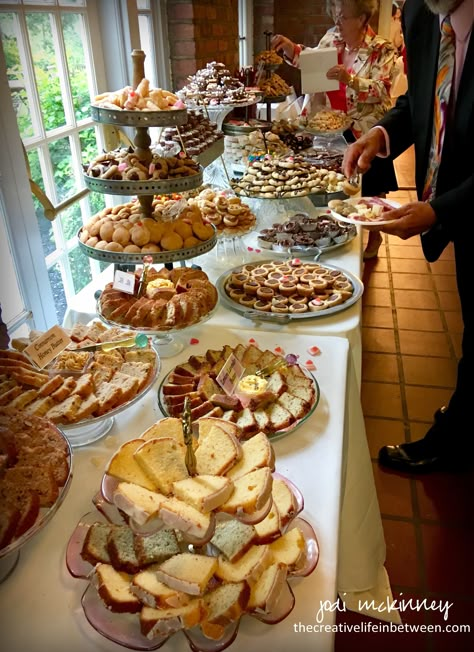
column 444, row 79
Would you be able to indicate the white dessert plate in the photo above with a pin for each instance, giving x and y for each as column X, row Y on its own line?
column 367, row 220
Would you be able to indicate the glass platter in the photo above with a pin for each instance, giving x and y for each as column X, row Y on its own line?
column 284, row 318
column 361, row 220
column 163, row 341
column 307, row 251
column 273, row 436
column 124, row 629
column 90, row 430
column 10, row 554
column 137, row 259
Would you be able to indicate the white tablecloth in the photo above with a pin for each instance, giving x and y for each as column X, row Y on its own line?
column 327, row 458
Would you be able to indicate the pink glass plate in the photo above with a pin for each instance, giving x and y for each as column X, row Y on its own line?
column 124, row 629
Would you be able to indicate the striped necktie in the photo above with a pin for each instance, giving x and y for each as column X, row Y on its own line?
column 444, row 79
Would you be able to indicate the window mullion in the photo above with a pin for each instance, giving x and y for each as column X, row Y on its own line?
column 26, row 59
column 63, row 70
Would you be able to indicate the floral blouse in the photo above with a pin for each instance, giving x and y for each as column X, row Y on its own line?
column 374, row 68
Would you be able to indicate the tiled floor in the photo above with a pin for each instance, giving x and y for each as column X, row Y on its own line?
column 411, row 340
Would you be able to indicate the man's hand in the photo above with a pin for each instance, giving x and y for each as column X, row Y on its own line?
column 360, row 154
column 280, row 42
column 409, row 220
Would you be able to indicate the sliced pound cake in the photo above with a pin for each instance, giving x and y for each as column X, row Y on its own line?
column 267, row 589
column 114, row 588
column 222, row 606
column 233, row 538
column 187, row 572
column 204, row 492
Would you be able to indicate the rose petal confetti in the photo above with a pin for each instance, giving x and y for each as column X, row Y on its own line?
column 249, row 248
column 278, row 349
column 252, row 341
column 194, row 340
column 309, row 364
column 314, row 350
column 258, row 251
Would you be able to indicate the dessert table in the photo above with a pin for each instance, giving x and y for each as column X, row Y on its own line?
column 326, row 457
column 82, row 308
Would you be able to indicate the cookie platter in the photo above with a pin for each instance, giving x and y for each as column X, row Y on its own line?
column 170, row 117
column 145, row 187
column 263, row 299
column 305, row 236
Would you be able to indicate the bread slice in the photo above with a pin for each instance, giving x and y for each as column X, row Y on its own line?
column 251, row 492
column 162, row 460
column 267, row 589
column 304, row 392
column 251, row 356
column 217, row 451
column 266, row 359
column 168, row 427
column 280, row 417
column 109, row 396
column 65, row 412
column 95, row 546
column 179, row 515
column 164, row 622
column 121, row 548
column 141, row 370
column 247, row 423
column 114, row 588
column 40, row 406
column 289, row 549
column 204, row 492
column 41, row 483
column 277, row 383
column 233, row 538
column 284, row 500
column 249, row 567
column 206, row 423
column 128, row 385
column 156, row 547
column 124, row 466
column 257, row 452
column 263, row 420
column 295, row 405
column 270, row 528
column 187, row 572
column 87, row 407
column 153, row 593
column 224, row 605
column 137, row 502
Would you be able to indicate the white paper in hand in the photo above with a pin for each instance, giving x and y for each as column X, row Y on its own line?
column 314, row 64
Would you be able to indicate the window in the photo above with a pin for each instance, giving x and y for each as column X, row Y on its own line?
column 54, row 59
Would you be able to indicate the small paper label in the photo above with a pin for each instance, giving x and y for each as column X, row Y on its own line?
column 46, row 347
column 230, row 374
column 124, row 281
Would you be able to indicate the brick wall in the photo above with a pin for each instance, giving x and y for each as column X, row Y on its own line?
column 201, row 31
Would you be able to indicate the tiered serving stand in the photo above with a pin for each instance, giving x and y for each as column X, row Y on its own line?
column 141, row 121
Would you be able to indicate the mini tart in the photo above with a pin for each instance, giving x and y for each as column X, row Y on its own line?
column 304, row 290
column 316, row 304
column 265, row 293
column 251, row 287
column 334, row 299
column 263, row 306
column 285, row 269
column 275, row 275
column 272, row 283
column 239, row 279
column 279, row 306
column 247, row 300
column 287, row 288
column 298, row 307
column 307, row 277
column 298, row 273
column 297, row 298
column 236, row 294
column 269, row 266
column 319, row 284
column 279, row 298
column 260, row 272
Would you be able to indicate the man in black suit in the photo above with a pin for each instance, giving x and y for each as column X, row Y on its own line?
column 446, row 216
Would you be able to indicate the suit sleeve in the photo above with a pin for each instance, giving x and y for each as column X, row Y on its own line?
column 450, row 207
column 398, row 125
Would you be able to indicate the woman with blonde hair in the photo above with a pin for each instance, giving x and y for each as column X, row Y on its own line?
column 364, row 71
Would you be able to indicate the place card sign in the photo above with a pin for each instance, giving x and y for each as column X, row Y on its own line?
column 48, row 346
column 230, row 374
column 124, row 281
